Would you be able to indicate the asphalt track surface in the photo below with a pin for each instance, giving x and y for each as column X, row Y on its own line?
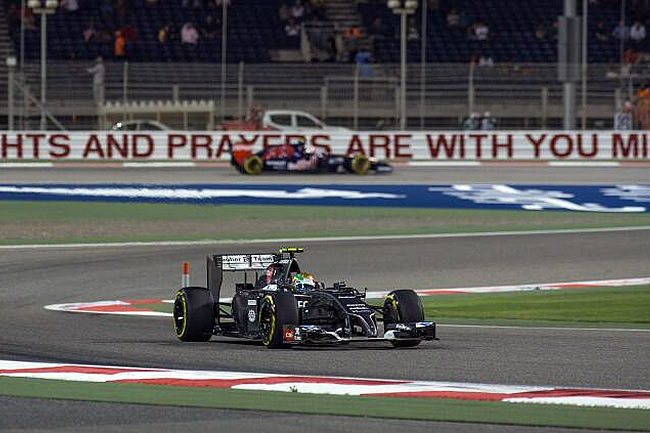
column 402, row 175
column 30, row 279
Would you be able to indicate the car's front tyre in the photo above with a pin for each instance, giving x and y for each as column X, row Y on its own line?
column 360, row 164
column 253, row 165
column 276, row 311
column 403, row 306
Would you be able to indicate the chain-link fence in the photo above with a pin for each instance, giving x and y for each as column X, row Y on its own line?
column 517, row 95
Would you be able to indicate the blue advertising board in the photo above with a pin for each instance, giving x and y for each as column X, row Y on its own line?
column 592, row 198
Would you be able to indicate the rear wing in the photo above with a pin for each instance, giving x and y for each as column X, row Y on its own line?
column 218, row 264
column 245, row 262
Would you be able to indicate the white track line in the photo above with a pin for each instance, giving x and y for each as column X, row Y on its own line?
column 444, row 164
column 583, row 164
column 26, row 165
column 330, row 239
column 543, row 328
column 157, row 164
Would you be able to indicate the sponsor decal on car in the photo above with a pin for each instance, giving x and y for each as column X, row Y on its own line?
column 289, row 335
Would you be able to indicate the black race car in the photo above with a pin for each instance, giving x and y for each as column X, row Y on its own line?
column 283, row 307
column 296, row 158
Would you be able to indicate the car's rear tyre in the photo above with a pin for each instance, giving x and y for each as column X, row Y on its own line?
column 253, row 165
column 360, row 164
column 193, row 314
column 276, row 311
column 403, row 306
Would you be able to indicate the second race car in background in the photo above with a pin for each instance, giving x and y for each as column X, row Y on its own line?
column 297, row 157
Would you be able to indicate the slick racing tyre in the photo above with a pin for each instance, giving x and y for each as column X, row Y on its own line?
column 360, row 165
column 193, row 314
column 276, row 311
column 403, row 306
column 253, row 165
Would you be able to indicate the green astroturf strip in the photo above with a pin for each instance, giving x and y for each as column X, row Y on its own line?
column 629, row 305
column 379, row 407
column 62, row 222
column 64, row 210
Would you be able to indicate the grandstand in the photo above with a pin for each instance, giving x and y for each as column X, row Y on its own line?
column 267, row 63
column 255, row 30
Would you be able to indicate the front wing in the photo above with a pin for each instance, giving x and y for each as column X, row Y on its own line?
column 316, row 335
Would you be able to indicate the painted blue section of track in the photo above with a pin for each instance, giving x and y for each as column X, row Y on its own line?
column 600, row 198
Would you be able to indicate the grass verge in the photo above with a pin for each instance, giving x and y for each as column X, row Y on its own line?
column 24, row 222
column 377, row 407
column 611, row 305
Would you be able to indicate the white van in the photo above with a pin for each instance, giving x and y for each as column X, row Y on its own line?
column 296, row 121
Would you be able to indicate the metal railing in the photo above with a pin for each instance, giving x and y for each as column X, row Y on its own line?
column 518, row 94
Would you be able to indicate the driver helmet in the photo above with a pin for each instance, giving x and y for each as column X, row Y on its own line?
column 303, row 282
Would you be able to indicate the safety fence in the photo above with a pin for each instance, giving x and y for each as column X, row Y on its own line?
column 439, row 96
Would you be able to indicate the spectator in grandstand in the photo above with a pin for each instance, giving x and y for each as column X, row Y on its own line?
column 13, row 15
column 119, row 10
column 488, row 123
column 317, row 10
column 172, row 33
column 332, row 49
column 90, row 32
column 353, row 32
column 292, row 29
column 465, row 21
column 69, row 5
column 554, row 32
column 642, row 107
column 99, row 74
column 637, row 33
column 129, row 32
column 453, row 19
column 211, row 28
column 377, row 28
column 284, row 13
column 27, row 16
column 486, row 61
column 102, row 35
column 621, row 31
column 624, row 121
column 152, row 3
column 163, row 35
column 106, row 10
column 472, row 123
column 540, row 31
column 119, row 46
column 196, row 4
column 601, row 32
column 298, row 10
column 630, row 57
column 480, row 31
column 413, row 31
column 362, row 59
column 189, row 34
